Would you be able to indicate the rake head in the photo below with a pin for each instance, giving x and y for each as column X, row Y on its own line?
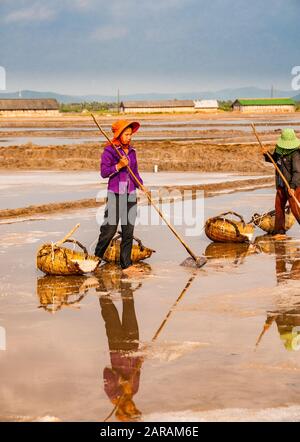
column 194, row 263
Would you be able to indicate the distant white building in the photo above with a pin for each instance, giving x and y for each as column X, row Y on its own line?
column 206, row 105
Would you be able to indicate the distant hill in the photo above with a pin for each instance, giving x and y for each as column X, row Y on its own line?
column 297, row 97
column 223, row 94
column 59, row 97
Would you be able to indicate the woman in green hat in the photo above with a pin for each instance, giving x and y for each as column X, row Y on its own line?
column 287, row 157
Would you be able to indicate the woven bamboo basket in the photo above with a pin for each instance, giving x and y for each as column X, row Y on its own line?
column 53, row 259
column 138, row 252
column 266, row 222
column 222, row 229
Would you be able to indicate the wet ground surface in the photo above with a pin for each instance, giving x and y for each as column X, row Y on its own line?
column 226, row 118
column 203, row 364
column 63, row 141
column 21, row 189
column 67, row 131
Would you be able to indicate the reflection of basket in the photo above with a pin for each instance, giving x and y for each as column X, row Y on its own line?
column 286, row 249
column 53, row 259
column 56, row 292
column 266, row 243
column 110, row 277
column 221, row 229
column 267, row 221
column 138, row 251
column 230, row 251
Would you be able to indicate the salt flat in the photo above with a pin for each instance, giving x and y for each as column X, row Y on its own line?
column 204, row 365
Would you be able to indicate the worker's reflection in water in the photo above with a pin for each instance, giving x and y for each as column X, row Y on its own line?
column 287, row 261
column 287, row 316
column 121, row 380
column 288, row 326
column 288, row 319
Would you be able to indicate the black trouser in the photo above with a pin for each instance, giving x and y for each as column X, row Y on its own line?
column 122, row 335
column 118, row 206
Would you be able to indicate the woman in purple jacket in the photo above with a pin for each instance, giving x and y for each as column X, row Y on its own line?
column 121, row 194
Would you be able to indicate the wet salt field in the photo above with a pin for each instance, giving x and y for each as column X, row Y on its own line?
column 61, row 141
column 21, row 189
column 171, row 121
column 177, row 127
column 203, row 364
column 69, row 133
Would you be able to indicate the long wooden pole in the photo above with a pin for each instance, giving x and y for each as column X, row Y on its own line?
column 61, row 241
column 276, row 167
column 266, row 327
column 147, row 193
column 184, row 291
column 156, row 335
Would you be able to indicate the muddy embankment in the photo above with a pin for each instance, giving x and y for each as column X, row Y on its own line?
column 168, row 155
column 153, row 131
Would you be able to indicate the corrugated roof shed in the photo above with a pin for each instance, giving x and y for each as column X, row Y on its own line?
column 157, row 103
column 12, row 104
column 265, row 101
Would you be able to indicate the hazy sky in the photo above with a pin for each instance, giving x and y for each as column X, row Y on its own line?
column 96, row 46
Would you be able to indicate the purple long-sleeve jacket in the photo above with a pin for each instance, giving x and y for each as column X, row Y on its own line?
column 119, row 181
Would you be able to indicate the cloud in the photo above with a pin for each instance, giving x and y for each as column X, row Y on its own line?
column 131, row 9
column 109, row 32
column 81, row 5
column 36, row 12
column 169, row 43
column 167, row 4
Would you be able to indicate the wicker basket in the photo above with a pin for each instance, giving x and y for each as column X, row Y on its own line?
column 266, row 222
column 222, row 229
column 53, row 259
column 57, row 260
column 138, row 253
